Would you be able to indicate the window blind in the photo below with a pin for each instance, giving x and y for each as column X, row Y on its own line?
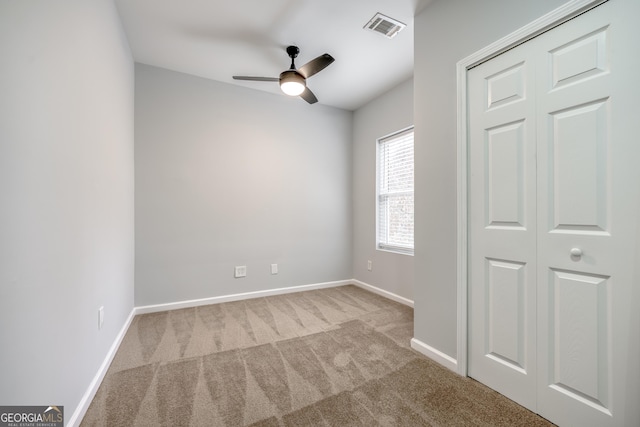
column 395, row 192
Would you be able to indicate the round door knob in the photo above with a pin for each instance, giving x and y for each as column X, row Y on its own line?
column 576, row 252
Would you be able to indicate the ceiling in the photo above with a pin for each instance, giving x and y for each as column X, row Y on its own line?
column 217, row 39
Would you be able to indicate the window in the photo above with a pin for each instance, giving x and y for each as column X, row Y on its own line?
column 395, row 192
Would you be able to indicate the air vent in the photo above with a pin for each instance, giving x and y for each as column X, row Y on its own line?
column 384, row 25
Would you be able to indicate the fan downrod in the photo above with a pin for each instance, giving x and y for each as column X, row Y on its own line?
column 293, row 52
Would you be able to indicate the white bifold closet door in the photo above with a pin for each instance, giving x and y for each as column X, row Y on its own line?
column 554, row 161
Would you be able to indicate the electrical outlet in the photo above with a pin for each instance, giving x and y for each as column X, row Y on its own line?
column 274, row 268
column 240, row 271
column 369, row 265
column 100, row 317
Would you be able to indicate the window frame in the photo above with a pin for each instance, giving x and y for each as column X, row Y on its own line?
column 384, row 245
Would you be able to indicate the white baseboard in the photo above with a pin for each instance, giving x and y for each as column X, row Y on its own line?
column 236, row 297
column 384, row 293
column 82, row 407
column 436, row 355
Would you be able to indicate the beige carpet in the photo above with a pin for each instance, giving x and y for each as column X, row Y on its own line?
column 330, row 357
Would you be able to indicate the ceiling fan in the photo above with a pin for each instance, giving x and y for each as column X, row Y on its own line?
column 293, row 81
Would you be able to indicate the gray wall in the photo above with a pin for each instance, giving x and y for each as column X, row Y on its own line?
column 230, row 176
column 447, row 31
column 386, row 114
column 66, row 191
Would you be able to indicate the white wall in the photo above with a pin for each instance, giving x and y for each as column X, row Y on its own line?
column 230, row 176
column 66, row 191
column 447, row 31
column 386, row 114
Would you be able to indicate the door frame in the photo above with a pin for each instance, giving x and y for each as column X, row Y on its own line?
column 552, row 19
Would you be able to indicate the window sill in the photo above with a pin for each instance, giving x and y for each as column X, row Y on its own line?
column 395, row 250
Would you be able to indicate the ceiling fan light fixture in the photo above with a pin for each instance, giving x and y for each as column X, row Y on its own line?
column 292, row 83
